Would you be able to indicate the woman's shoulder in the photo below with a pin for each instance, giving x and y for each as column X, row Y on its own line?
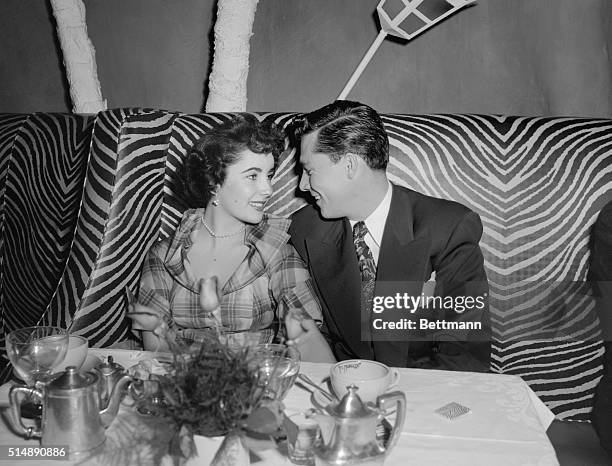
column 189, row 220
column 276, row 222
column 160, row 248
column 270, row 236
column 273, row 230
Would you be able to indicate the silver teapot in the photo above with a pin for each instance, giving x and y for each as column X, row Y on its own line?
column 70, row 411
column 352, row 429
column 109, row 374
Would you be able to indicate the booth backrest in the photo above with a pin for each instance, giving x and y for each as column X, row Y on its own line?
column 43, row 160
column 537, row 183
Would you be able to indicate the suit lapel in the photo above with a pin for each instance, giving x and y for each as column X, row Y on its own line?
column 334, row 267
column 403, row 266
column 402, row 256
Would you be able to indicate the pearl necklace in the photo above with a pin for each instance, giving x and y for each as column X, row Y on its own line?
column 215, row 235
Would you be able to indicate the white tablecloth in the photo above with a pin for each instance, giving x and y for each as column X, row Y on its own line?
column 506, row 424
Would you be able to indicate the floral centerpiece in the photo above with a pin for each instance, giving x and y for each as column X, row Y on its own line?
column 210, row 387
column 214, row 389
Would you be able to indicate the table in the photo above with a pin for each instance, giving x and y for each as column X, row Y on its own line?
column 506, row 424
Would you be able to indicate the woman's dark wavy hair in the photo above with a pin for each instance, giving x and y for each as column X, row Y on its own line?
column 345, row 126
column 206, row 162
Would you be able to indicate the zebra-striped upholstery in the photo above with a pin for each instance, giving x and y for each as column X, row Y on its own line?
column 537, row 183
column 43, row 158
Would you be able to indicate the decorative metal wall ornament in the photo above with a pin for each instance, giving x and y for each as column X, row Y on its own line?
column 405, row 19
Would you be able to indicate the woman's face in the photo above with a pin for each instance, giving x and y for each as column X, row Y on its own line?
column 247, row 186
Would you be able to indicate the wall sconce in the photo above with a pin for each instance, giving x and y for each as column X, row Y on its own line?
column 405, row 19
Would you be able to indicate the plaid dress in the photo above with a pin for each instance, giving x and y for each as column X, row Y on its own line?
column 270, row 280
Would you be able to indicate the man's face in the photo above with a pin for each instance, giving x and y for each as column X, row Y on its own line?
column 326, row 181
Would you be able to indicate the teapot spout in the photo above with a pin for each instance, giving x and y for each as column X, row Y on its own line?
column 110, row 412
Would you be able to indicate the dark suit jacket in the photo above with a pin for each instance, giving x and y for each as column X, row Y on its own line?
column 422, row 234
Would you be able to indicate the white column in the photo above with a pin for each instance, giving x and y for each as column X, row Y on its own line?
column 228, row 78
column 79, row 56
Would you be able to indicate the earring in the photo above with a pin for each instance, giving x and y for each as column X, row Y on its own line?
column 215, row 193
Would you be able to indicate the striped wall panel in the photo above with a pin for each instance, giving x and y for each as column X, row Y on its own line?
column 118, row 223
column 9, row 128
column 43, row 173
column 10, row 125
column 538, row 185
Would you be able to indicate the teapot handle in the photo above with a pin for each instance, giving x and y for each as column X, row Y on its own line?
column 391, row 400
column 15, row 399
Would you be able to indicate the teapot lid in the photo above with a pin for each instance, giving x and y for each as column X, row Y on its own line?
column 109, row 366
column 71, row 379
column 350, row 406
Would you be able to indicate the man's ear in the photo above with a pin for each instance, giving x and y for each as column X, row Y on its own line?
column 352, row 162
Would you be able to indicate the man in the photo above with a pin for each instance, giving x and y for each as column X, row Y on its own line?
column 371, row 247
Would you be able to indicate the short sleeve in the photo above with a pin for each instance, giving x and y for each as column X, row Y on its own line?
column 155, row 284
column 292, row 286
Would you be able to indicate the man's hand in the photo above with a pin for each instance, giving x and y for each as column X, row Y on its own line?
column 303, row 333
column 300, row 328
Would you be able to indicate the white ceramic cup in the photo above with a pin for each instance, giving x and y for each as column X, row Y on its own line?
column 76, row 353
column 372, row 378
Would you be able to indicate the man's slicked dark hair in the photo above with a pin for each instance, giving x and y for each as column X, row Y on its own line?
column 346, row 126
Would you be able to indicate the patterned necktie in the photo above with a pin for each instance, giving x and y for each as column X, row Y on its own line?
column 364, row 255
column 367, row 267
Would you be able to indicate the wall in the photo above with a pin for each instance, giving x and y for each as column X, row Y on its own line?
column 525, row 57
column 31, row 74
column 150, row 53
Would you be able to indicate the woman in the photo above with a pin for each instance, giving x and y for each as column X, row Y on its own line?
column 262, row 281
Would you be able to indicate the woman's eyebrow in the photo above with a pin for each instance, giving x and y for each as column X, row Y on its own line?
column 257, row 169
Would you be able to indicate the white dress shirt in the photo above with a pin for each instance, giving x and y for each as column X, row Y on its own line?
column 375, row 223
